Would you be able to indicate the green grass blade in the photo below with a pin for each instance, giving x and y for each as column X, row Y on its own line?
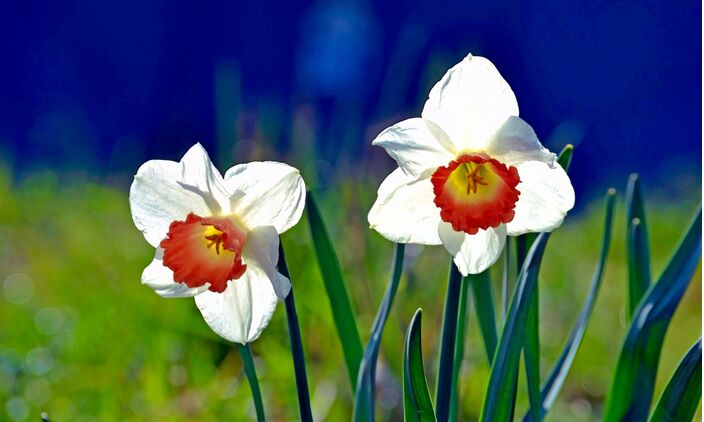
column 459, row 350
column 531, row 348
column 565, row 157
column 681, row 397
column 505, row 279
column 500, row 395
column 416, row 397
column 335, row 288
column 632, row 387
column 636, row 244
column 443, row 390
column 531, row 354
column 559, row 371
column 484, row 304
column 250, row 371
column 364, row 398
column 294, row 333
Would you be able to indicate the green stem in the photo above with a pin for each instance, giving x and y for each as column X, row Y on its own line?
column 447, row 348
column 459, row 350
column 294, row 332
column 249, row 370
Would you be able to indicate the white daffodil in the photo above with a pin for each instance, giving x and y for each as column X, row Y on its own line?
column 217, row 238
column 470, row 171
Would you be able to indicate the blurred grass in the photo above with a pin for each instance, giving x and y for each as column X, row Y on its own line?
column 82, row 339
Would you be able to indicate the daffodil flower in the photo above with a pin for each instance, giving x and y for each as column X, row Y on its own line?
column 470, row 171
column 216, row 237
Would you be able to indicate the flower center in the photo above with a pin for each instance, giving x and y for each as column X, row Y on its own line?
column 475, row 192
column 204, row 250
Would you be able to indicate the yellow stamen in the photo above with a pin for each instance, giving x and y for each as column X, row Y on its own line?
column 214, row 237
column 473, row 177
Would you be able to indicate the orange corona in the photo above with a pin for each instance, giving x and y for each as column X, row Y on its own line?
column 205, row 250
column 475, row 192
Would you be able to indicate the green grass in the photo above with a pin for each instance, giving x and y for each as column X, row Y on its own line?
column 92, row 342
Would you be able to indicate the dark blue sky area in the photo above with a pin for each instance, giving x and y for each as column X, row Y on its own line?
column 101, row 86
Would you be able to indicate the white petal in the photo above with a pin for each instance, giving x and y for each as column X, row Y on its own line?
column 546, row 196
column 470, row 103
column 157, row 199
column 243, row 310
column 161, row 279
column 516, row 142
column 404, row 211
column 261, row 249
column 273, row 194
column 417, row 145
column 199, row 175
column 473, row 253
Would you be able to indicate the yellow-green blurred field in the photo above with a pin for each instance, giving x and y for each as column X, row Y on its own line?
column 82, row 339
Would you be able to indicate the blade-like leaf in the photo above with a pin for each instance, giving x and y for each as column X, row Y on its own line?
column 681, row 397
column 443, row 389
column 632, row 388
column 335, row 289
column 417, row 406
column 364, row 398
column 531, row 354
column 459, row 350
column 636, row 244
column 499, row 399
column 557, row 376
column 505, row 279
column 251, row 373
column 484, row 304
column 294, row 333
column 565, row 157
column 531, row 348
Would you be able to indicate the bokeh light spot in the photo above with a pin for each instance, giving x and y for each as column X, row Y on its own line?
column 18, row 288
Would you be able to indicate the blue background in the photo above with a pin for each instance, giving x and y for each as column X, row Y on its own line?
column 98, row 87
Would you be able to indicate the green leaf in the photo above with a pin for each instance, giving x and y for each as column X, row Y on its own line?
column 443, row 390
column 636, row 244
column 251, row 373
column 632, row 388
column 499, row 399
column 531, row 354
column 416, row 398
column 505, row 279
column 294, row 333
column 681, row 397
column 335, row 289
column 559, row 371
column 484, row 304
column 531, row 348
column 364, row 398
column 459, row 350
column 565, row 157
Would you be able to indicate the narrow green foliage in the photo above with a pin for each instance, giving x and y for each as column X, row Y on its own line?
column 559, row 371
column 531, row 348
column 335, row 289
column 294, row 333
column 499, row 399
column 484, row 304
column 505, row 279
column 565, row 157
column 364, row 397
column 417, row 406
column 251, row 373
column 681, row 397
column 459, row 350
column 636, row 244
column 634, row 380
column 531, row 355
column 443, row 390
